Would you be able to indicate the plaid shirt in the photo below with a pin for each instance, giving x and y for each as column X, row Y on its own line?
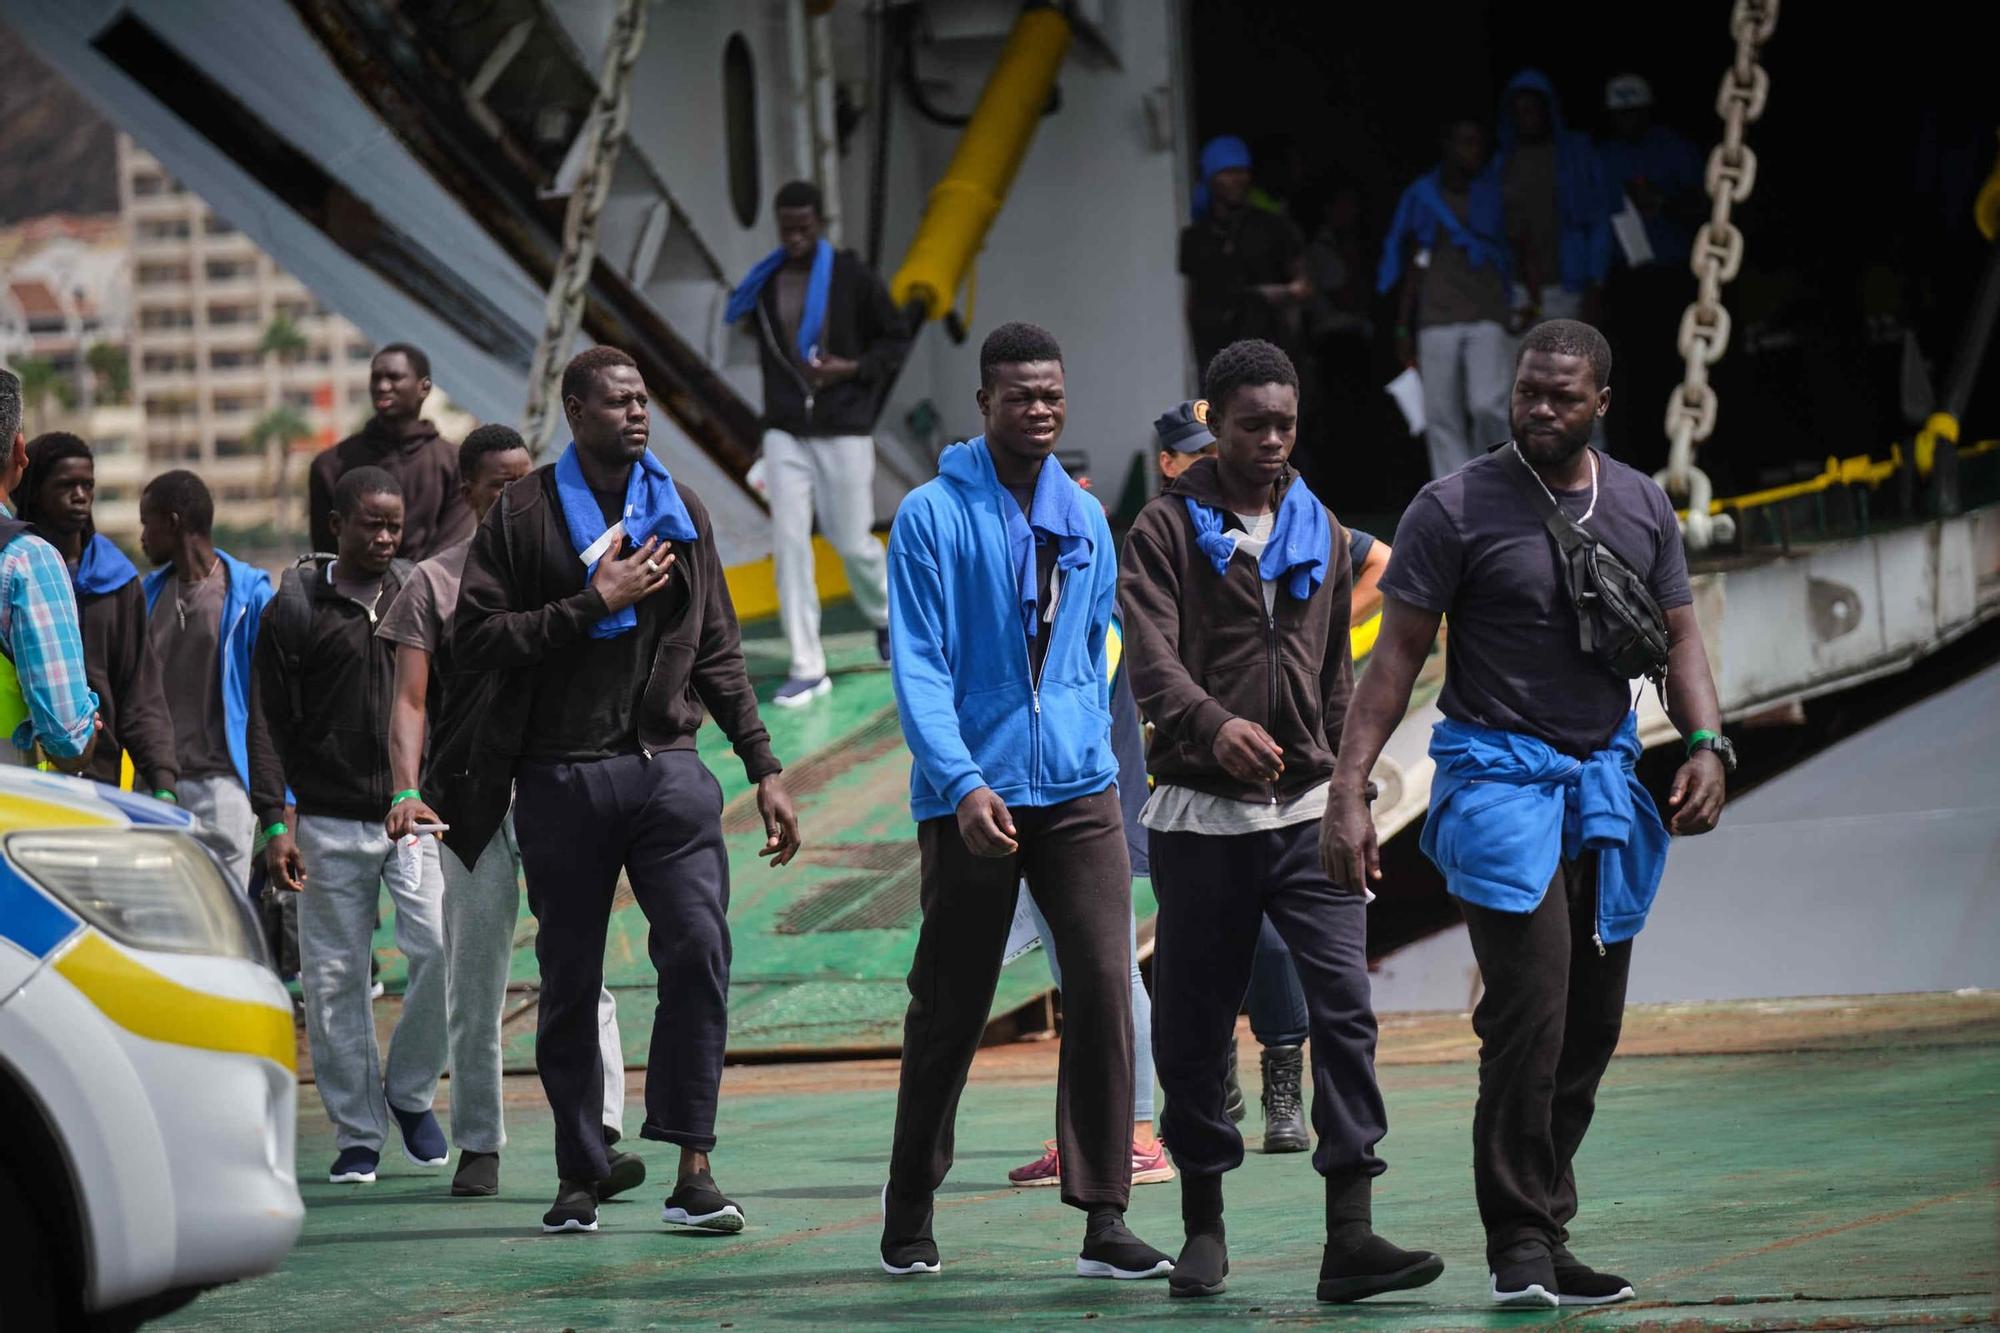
column 38, row 626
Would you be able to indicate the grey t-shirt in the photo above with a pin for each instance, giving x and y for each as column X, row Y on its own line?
column 1453, row 291
column 185, row 630
column 422, row 609
column 1472, row 547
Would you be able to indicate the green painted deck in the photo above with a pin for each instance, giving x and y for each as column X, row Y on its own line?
column 821, row 946
column 1761, row 1166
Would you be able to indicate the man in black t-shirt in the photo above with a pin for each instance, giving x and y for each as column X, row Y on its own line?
column 1244, row 263
column 1551, row 845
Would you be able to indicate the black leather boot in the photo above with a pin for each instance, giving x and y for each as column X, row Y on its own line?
column 1284, row 1112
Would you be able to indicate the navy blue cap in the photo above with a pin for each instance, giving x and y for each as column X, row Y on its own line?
column 1185, row 429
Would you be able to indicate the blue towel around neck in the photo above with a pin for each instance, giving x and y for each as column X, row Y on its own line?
column 104, row 568
column 1058, row 513
column 653, row 508
column 744, row 299
column 1298, row 545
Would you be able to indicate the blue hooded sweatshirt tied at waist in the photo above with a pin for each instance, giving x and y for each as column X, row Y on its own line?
column 961, row 595
column 1505, row 808
column 242, row 608
column 1581, row 206
column 1425, row 221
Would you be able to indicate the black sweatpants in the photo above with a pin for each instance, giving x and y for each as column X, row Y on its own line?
column 660, row 820
column 1074, row 859
column 1214, row 892
column 1547, row 1024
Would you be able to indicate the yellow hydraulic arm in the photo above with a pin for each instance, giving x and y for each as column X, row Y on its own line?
column 965, row 201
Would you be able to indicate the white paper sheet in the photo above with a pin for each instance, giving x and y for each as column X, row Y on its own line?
column 1408, row 391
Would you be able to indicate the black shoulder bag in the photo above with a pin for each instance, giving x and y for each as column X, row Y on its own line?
column 1617, row 620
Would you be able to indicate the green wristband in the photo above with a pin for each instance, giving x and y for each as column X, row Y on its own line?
column 276, row 829
column 167, row 796
column 1698, row 737
column 407, row 794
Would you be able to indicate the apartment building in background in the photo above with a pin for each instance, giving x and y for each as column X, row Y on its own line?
column 215, row 397
column 65, row 324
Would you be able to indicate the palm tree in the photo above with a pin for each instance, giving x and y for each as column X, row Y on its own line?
column 284, row 427
column 113, row 369
column 282, row 339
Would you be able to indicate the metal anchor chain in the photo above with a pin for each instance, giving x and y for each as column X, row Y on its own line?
column 563, row 311
column 1717, row 256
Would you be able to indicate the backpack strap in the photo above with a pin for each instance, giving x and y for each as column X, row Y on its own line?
column 291, row 627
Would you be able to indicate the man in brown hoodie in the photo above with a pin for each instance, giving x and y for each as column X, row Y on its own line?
column 400, row 442
column 1235, row 588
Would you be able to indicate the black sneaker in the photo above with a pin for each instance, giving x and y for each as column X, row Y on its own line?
column 628, row 1172
column 1111, row 1250
column 575, row 1208
column 1524, row 1278
column 1373, row 1267
column 907, row 1247
column 1203, row 1265
column 696, row 1202
column 478, row 1174
column 1577, row 1283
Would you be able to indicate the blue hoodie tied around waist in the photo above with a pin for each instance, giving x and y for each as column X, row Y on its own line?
column 249, row 592
column 1580, row 199
column 960, row 611
column 1422, row 213
column 653, row 508
column 812, row 319
column 1506, row 807
column 1295, row 554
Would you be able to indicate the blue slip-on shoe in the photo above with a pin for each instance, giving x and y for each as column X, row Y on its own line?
column 423, row 1137
column 796, row 693
column 354, row 1166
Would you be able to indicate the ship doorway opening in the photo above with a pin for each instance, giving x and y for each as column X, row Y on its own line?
column 1876, row 137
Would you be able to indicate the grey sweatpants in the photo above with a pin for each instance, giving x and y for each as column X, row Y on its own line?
column 348, row 862
column 223, row 821
column 481, row 906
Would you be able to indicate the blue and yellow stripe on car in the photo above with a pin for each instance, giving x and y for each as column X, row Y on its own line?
column 135, row 997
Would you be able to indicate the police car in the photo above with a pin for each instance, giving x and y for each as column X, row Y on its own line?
column 147, row 1064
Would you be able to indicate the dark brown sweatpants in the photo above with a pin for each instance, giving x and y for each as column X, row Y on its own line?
column 1074, row 859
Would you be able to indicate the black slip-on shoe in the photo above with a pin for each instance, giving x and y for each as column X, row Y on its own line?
column 575, row 1208
column 907, row 1247
column 696, row 1202
column 478, row 1175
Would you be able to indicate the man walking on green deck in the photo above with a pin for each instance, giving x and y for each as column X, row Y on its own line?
column 1544, row 835
column 1236, row 589
column 1002, row 585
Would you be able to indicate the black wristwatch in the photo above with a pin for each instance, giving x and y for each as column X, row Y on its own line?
column 1708, row 740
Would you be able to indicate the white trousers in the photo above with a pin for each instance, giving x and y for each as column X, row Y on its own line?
column 835, row 476
column 1468, row 374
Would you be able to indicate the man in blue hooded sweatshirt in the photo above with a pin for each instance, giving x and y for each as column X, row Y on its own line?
column 1552, row 847
column 204, row 606
column 1556, row 204
column 1002, row 585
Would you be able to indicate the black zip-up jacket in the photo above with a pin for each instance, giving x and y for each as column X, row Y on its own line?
column 119, row 663
column 524, row 610
column 1201, row 649
column 861, row 325
column 336, row 756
